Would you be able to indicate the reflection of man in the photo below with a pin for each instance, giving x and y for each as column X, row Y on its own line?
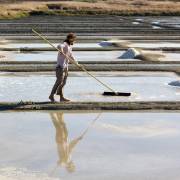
column 64, row 147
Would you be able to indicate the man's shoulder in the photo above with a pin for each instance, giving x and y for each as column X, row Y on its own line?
column 62, row 45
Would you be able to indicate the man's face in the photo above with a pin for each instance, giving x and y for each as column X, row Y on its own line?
column 72, row 40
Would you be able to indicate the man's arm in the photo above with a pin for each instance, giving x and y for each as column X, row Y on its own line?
column 63, row 50
column 61, row 47
column 73, row 60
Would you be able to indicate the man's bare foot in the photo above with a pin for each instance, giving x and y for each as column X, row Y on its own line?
column 62, row 99
column 51, row 97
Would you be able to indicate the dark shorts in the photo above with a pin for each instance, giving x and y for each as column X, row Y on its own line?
column 61, row 77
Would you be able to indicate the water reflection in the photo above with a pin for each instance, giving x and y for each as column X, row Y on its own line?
column 65, row 146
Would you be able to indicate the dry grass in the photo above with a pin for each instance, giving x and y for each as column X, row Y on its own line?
column 121, row 7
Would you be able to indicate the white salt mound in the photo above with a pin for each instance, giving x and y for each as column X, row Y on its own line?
column 131, row 53
column 105, row 43
column 175, row 83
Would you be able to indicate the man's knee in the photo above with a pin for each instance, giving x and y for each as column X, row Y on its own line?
column 64, row 81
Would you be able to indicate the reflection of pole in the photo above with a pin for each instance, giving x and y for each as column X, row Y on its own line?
column 91, row 124
column 74, row 142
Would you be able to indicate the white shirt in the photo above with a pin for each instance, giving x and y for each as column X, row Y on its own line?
column 62, row 61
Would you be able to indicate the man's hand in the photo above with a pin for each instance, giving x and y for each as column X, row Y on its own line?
column 80, row 65
column 77, row 64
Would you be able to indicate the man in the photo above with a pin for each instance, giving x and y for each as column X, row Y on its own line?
column 62, row 67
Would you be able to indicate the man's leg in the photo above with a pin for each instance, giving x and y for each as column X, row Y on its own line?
column 59, row 76
column 60, row 88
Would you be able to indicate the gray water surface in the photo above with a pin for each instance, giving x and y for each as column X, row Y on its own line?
column 52, row 56
column 42, row 45
column 144, row 86
column 57, row 145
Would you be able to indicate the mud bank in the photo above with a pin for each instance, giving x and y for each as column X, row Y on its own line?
column 159, row 105
column 93, row 67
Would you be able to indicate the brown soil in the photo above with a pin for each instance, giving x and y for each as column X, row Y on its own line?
column 21, row 8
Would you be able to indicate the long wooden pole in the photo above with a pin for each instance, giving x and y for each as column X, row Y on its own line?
column 71, row 60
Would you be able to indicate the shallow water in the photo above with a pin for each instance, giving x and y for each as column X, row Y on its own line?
column 171, row 56
column 42, row 45
column 81, row 56
column 166, row 56
column 92, row 45
column 144, row 45
column 145, row 86
column 156, row 45
column 171, row 22
column 52, row 56
column 54, row 145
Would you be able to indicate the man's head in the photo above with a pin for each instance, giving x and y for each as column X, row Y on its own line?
column 70, row 38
